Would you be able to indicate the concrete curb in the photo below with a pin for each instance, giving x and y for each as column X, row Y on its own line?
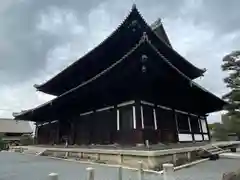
column 134, row 169
column 124, row 167
column 190, row 164
column 230, row 155
column 95, row 163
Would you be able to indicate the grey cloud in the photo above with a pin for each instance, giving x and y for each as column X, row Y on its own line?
column 23, row 48
column 223, row 16
column 161, row 9
column 30, row 51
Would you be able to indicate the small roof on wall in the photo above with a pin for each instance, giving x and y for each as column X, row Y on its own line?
column 112, row 49
column 15, row 126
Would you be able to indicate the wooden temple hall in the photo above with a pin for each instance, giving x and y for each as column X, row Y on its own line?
column 131, row 88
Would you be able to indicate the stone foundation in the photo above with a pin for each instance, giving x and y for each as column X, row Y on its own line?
column 150, row 159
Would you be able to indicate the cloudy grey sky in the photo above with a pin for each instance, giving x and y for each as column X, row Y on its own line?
column 40, row 38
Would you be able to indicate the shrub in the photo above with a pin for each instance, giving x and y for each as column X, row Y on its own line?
column 27, row 140
column 2, row 144
column 231, row 175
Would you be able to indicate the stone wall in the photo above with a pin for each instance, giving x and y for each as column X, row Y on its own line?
column 130, row 159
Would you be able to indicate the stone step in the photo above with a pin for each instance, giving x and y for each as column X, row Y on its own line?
column 214, row 150
column 33, row 151
column 210, row 151
column 218, row 152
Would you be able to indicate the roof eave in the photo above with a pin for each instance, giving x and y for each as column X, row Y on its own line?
column 144, row 39
column 49, row 88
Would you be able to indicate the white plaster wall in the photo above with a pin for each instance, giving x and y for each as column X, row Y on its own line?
column 206, row 138
column 204, row 126
column 198, row 137
column 185, row 137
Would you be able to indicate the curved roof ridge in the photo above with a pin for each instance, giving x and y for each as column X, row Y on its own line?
column 133, row 9
column 51, row 86
column 156, row 23
column 174, row 51
column 181, row 73
column 155, row 26
column 142, row 40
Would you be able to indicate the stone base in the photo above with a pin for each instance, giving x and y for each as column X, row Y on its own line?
column 151, row 159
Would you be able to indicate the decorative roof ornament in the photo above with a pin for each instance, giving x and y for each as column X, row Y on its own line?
column 157, row 23
column 134, row 25
column 144, row 59
column 144, row 69
column 145, row 37
column 134, row 6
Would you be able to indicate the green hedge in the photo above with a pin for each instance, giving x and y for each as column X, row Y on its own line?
column 231, row 175
column 2, row 144
column 27, row 141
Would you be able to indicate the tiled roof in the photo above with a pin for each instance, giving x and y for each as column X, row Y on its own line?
column 14, row 126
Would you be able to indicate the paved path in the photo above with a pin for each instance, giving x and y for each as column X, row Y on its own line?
column 209, row 170
column 16, row 166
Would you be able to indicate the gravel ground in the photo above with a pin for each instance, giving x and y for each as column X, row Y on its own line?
column 209, row 170
column 16, row 166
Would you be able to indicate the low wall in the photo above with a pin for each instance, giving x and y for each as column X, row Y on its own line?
column 149, row 159
column 152, row 160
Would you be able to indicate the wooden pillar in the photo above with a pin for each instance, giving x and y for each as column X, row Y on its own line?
column 49, row 133
column 200, row 126
column 208, row 132
column 176, row 126
column 190, row 128
column 139, row 127
column 114, row 126
column 36, row 133
column 56, row 141
column 89, row 129
column 138, row 115
column 155, row 133
column 155, row 119
column 39, row 132
column 72, row 131
column 134, row 116
column 91, row 126
column 117, row 134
